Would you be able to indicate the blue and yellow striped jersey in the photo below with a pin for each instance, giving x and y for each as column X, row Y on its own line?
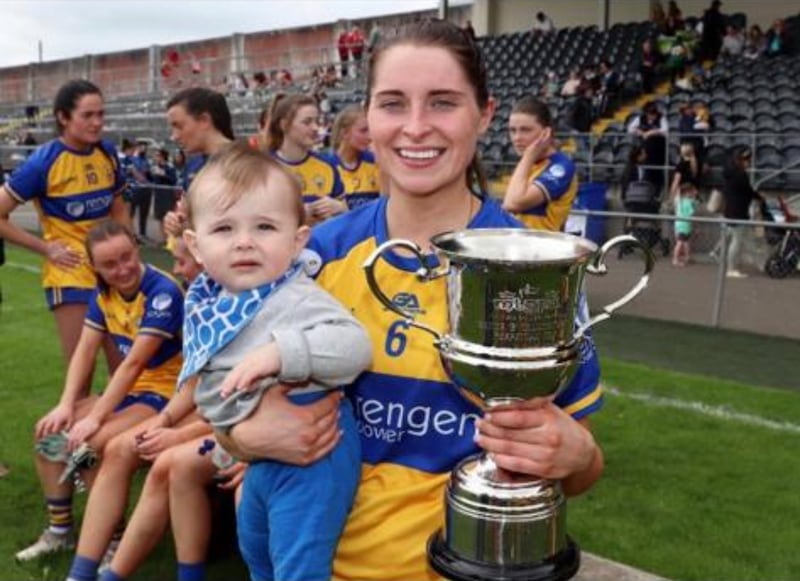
column 317, row 176
column 71, row 190
column 362, row 183
column 157, row 309
column 414, row 425
column 557, row 177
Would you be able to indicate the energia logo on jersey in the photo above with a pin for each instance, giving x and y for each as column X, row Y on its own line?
column 403, row 419
column 408, row 302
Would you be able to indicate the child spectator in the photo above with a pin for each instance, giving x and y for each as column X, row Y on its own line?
column 253, row 319
column 685, row 207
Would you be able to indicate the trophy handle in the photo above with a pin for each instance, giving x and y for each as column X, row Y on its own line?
column 598, row 267
column 423, row 273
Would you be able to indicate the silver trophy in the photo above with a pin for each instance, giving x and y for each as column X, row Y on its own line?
column 512, row 302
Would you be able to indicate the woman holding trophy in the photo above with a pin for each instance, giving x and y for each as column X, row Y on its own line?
column 427, row 105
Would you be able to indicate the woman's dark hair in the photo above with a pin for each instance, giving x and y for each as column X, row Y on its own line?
column 535, row 108
column 434, row 32
column 105, row 230
column 284, row 108
column 199, row 100
column 68, row 96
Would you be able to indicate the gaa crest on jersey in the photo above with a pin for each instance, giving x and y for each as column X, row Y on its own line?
column 162, row 301
column 557, row 171
column 319, row 181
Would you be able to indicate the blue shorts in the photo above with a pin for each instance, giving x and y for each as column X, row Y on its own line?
column 148, row 398
column 291, row 517
column 66, row 295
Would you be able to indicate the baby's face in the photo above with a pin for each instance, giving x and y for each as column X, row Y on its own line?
column 253, row 241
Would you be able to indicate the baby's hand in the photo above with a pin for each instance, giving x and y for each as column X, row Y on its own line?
column 262, row 363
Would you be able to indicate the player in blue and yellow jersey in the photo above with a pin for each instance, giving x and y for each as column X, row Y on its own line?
column 544, row 183
column 293, row 133
column 74, row 181
column 356, row 164
column 141, row 310
column 200, row 123
column 428, row 103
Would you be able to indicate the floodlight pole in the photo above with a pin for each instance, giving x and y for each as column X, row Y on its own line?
column 443, row 9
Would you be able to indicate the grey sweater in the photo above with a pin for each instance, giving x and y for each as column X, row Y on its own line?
column 322, row 346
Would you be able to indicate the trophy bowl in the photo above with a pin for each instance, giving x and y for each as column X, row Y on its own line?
column 517, row 324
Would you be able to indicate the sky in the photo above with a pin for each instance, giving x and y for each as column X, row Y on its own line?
column 69, row 28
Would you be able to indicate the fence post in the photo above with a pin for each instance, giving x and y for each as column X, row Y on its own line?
column 721, row 271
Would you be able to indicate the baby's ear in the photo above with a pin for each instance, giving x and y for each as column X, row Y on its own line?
column 301, row 239
column 190, row 238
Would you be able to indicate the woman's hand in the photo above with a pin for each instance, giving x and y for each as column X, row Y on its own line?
column 232, row 476
column 57, row 419
column 536, row 437
column 326, row 207
column 290, row 433
column 175, row 221
column 154, row 440
column 57, row 252
column 82, row 431
column 538, row 148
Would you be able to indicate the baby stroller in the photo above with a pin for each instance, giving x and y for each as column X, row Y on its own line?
column 641, row 197
column 785, row 257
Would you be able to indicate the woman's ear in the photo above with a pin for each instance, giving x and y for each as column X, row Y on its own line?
column 190, row 238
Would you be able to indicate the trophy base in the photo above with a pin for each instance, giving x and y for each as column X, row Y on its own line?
column 560, row 567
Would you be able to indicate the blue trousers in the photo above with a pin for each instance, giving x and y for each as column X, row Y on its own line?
column 290, row 518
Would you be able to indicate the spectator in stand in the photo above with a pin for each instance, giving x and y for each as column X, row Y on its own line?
column 703, row 124
column 756, row 43
column 651, row 126
column 343, row 46
column 733, row 42
column 686, row 121
column 468, row 28
column 357, row 43
column 374, row 37
column 551, row 86
column 582, row 115
column 260, row 84
column 674, row 18
column 738, row 194
column 658, row 17
column 776, row 39
column 648, row 68
column 543, row 23
column 544, row 183
column 713, row 31
column 570, row 88
column 608, row 89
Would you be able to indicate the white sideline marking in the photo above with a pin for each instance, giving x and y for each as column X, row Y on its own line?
column 25, row 267
column 706, row 410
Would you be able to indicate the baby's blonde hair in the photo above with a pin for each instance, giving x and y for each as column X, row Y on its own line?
column 242, row 169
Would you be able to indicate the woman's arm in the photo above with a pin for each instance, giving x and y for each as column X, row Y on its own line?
column 55, row 251
column 79, row 373
column 119, row 211
column 522, row 193
column 143, row 349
